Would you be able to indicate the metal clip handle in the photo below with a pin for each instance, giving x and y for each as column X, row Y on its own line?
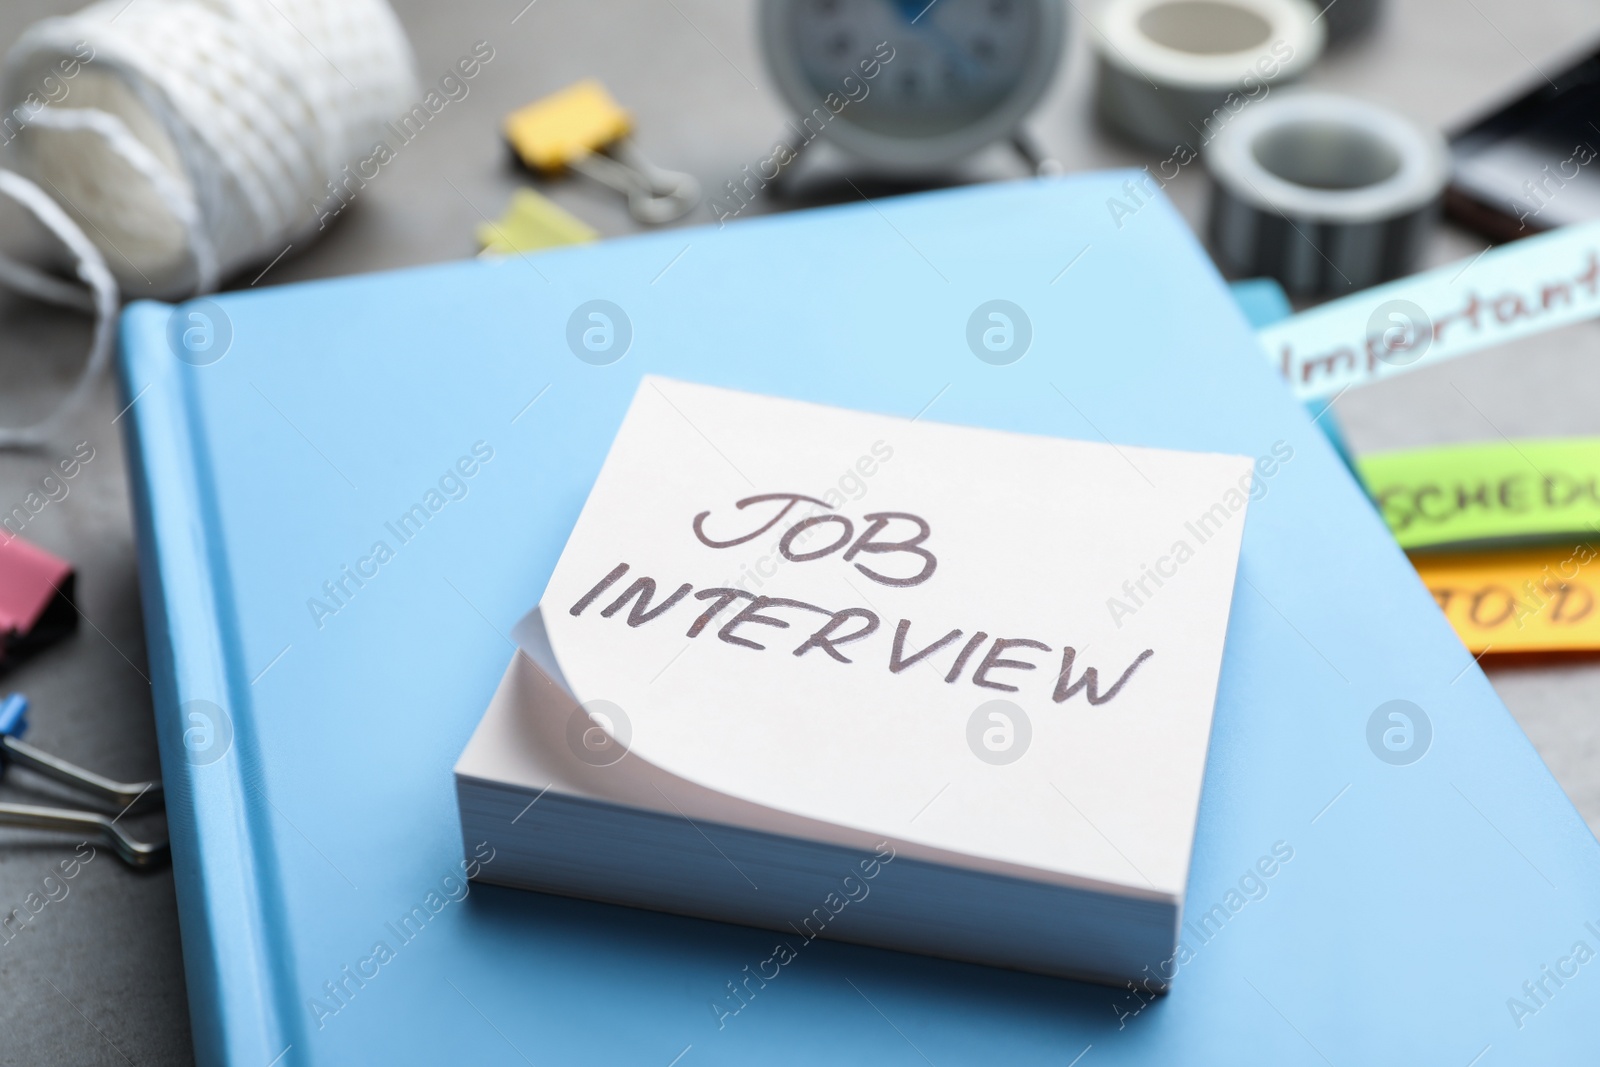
column 655, row 195
column 131, row 797
column 132, row 852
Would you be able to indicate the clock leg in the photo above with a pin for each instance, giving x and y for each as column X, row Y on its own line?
column 782, row 185
column 1033, row 154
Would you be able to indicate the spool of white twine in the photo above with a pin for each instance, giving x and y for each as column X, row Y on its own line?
column 184, row 140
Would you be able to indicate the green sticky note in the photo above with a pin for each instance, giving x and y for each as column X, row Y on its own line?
column 1499, row 492
column 533, row 222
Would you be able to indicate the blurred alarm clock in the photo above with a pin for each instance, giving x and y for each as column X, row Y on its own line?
column 912, row 84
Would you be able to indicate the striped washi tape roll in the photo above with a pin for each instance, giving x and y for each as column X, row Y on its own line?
column 1325, row 193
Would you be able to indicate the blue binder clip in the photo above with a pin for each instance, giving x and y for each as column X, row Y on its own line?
column 127, row 796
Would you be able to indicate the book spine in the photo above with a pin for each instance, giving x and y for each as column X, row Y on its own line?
column 222, row 890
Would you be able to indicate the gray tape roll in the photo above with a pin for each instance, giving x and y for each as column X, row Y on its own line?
column 1172, row 72
column 1325, row 193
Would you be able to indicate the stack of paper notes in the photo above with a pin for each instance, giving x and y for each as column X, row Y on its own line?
column 842, row 675
column 1503, row 534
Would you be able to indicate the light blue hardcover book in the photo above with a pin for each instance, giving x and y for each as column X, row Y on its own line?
column 343, row 516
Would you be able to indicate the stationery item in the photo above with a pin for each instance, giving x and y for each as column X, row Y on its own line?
column 337, row 774
column 168, row 184
column 1525, row 165
column 583, row 128
column 1501, row 295
column 127, row 797
column 533, row 222
column 910, row 87
column 575, row 122
column 1501, row 491
column 1174, row 73
column 1544, row 599
column 193, row 140
column 1325, row 193
column 99, row 296
column 35, row 598
column 1264, row 302
column 869, row 623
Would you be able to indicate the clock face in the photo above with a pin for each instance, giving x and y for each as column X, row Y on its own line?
column 954, row 61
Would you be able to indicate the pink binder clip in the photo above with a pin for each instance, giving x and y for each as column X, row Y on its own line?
column 35, row 599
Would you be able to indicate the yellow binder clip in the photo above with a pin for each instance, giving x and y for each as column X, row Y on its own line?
column 583, row 128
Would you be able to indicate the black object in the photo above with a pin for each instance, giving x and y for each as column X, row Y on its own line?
column 1530, row 165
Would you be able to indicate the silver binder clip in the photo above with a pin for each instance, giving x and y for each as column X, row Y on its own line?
column 655, row 194
column 128, row 797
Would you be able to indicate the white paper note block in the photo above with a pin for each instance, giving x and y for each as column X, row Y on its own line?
column 997, row 651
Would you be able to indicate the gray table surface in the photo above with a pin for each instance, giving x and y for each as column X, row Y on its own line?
column 96, row 977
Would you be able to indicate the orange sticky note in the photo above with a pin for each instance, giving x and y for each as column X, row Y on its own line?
column 1543, row 599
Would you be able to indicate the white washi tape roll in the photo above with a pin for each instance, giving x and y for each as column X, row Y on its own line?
column 1174, row 72
column 99, row 296
column 1325, row 193
column 197, row 137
